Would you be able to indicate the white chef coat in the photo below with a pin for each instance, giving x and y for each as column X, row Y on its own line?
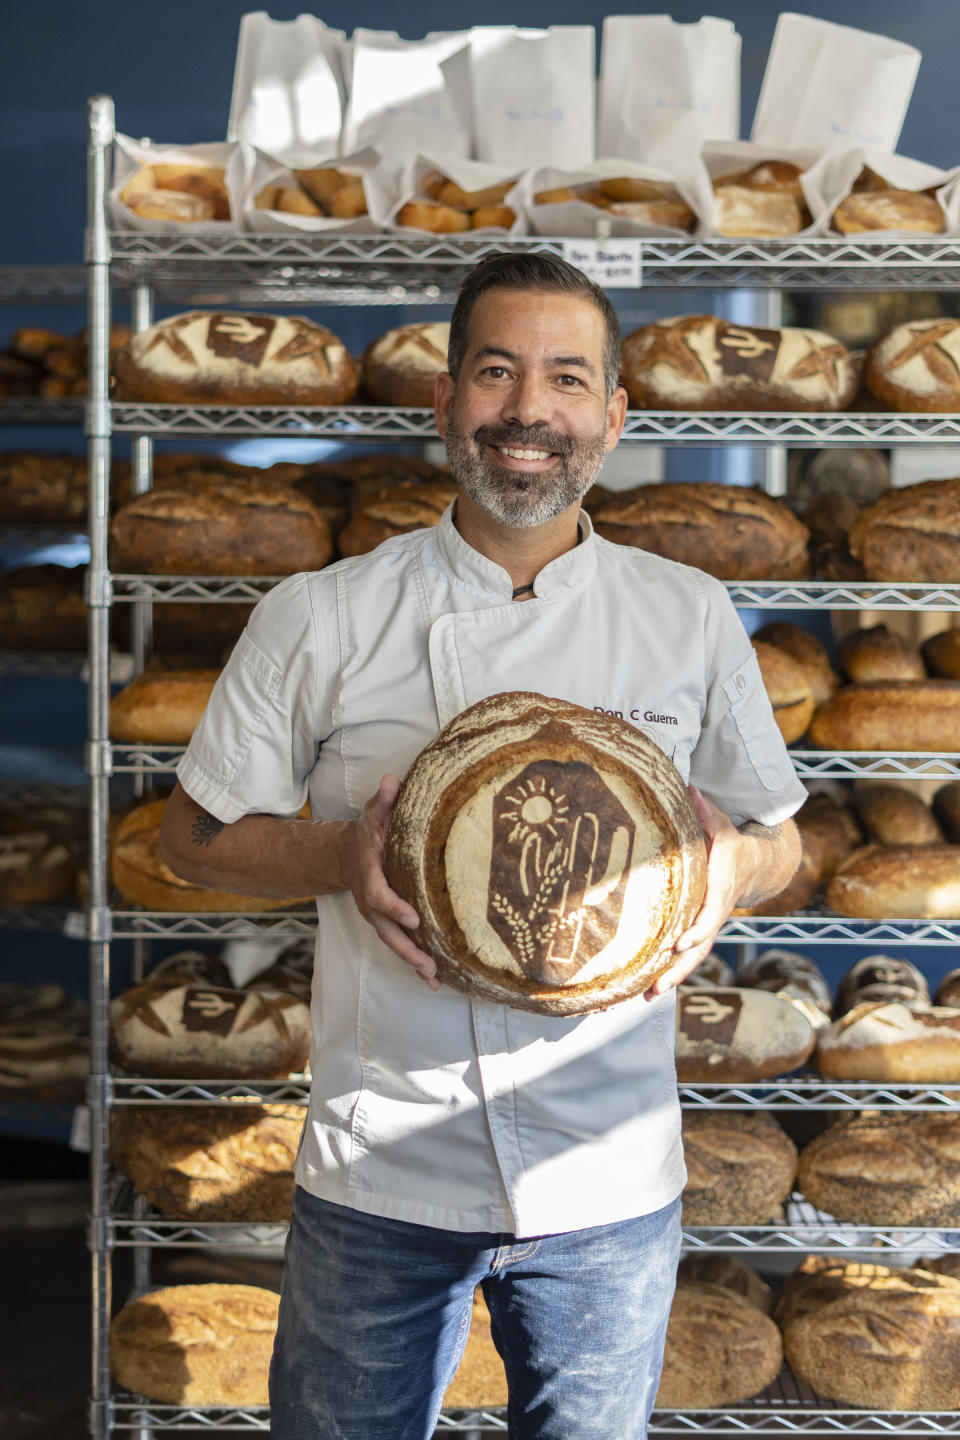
column 431, row 1107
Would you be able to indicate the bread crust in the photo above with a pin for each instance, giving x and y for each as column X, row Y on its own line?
column 916, row 367
column 890, row 715
column 396, row 511
column 737, row 1034
column 885, row 1170
column 740, row 1168
column 911, row 534
column 161, row 709
column 720, row 1349
column 400, row 367
column 892, row 1042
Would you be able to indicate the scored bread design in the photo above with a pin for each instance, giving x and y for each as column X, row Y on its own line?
column 885, row 1170
column 720, row 1349
column 916, row 366
column 400, row 367
column 552, row 854
column 892, row 1041
column 739, row 1034
column 912, row 533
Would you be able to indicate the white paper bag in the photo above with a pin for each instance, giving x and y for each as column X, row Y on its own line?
column 732, row 157
column 130, row 156
column 401, row 99
column 832, row 178
column 533, row 94
column 470, row 175
column 827, row 87
column 665, row 88
column 288, row 86
column 265, row 170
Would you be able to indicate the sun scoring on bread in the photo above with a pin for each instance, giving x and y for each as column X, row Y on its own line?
column 552, row 854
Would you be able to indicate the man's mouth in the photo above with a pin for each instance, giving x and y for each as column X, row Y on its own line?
column 516, row 454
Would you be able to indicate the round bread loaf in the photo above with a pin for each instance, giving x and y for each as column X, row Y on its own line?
column 713, row 971
column 740, row 1167
column 292, row 970
column 42, row 608
column 820, row 1280
column 834, row 828
column 906, row 882
column 912, row 533
column 552, row 854
column 205, row 1162
column 395, row 512
column 881, row 977
column 207, row 1032
column 697, row 362
column 739, row 1034
column 908, row 210
column 702, row 1268
column 885, row 1170
column 143, row 877
column 41, row 1004
column 879, row 653
column 788, row 687
column 35, row 867
column 941, row 652
column 891, row 815
column 400, row 367
column 916, row 367
column 42, row 488
column 196, row 1344
column 795, row 977
column 946, row 807
column 190, row 966
column 807, row 651
column 877, row 1041
column 731, row 531
column 225, row 527
column 882, row 1349
column 890, row 715
column 948, row 991
column 42, row 1059
column 210, row 358
column 161, row 709
column 719, row 1350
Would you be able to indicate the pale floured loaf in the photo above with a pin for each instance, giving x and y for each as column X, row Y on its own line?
column 210, row 358
column 877, row 1041
column 196, row 1344
column 877, row 1169
column 400, row 367
column 916, row 366
column 906, row 882
column 698, row 362
column 552, row 854
column 881, row 977
column 739, row 1034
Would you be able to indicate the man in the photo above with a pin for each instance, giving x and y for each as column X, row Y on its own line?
column 452, row 1143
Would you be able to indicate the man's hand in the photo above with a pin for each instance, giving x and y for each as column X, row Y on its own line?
column 742, row 865
column 361, row 856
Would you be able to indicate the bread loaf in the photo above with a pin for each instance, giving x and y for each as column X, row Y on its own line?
column 719, row 1350
column 196, row 1344
column 190, row 966
column 35, row 868
column 161, row 709
column 941, row 652
column 913, row 533
column 891, row 815
column 210, row 358
column 909, row 210
column 226, row 527
column 740, row 1167
column 916, row 367
column 788, row 687
column 909, row 882
column 407, row 507
column 834, row 828
column 713, row 971
column 731, row 531
column 819, row 1280
column 143, row 877
column 880, row 1169
column 946, row 807
column 795, row 977
column 705, row 1268
column 890, row 715
column 43, row 488
column 807, row 651
column 697, row 362
column 879, row 653
column 892, row 1042
column 400, row 367
column 292, row 970
column 948, row 991
column 204, row 1162
column 881, row 977
column 551, row 852
column 42, row 607
column 738, row 1034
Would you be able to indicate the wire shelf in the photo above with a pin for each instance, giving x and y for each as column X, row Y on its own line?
column 828, row 595
column 43, row 919
column 137, row 1090
column 27, row 663
column 807, row 1091
column 228, row 925
column 655, row 427
column 31, row 410
column 41, row 284
column 382, row 264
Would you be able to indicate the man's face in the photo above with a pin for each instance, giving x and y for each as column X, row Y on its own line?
column 528, row 423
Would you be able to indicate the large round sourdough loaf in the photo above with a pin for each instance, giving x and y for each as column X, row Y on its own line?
column 740, row 1167
column 720, row 1349
column 739, row 1034
column 916, row 366
column 396, row 511
column 879, row 1169
column 552, row 854
column 196, row 1344
column 881, row 977
column 209, row 358
column 892, row 1041
column 909, row 882
column 732, row 531
column 400, row 367
column 204, row 1162
column 697, row 362
column 890, row 715
column 911, row 533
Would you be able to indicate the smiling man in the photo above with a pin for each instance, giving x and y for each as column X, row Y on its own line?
column 452, row 1143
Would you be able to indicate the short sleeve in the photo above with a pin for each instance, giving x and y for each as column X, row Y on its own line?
column 259, row 737
column 740, row 761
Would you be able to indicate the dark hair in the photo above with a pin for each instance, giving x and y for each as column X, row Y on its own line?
column 532, row 270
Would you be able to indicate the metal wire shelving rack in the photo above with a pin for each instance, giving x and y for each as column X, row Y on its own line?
column 397, row 270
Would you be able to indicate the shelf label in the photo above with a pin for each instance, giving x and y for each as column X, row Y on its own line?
column 75, row 925
column 614, row 264
column 80, row 1130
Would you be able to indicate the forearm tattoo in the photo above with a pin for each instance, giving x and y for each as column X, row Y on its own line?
column 761, row 832
column 205, row 828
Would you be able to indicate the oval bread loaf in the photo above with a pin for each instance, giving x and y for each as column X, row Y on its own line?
column 885, row 1170
column 739, row 1034
column 906, row 882
column 911, row 533
column 719, row 1350
column 890, row 715
column 161, row 709
column 892, row 1041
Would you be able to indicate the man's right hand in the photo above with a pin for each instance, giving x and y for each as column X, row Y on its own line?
column 361, row 855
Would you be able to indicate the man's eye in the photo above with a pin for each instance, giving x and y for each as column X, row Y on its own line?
column 569, row 380
column 495, row 372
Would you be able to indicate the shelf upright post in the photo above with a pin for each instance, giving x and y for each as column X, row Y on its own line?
column 97, row 262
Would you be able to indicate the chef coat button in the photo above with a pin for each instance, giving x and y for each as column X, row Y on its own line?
column 741, row 683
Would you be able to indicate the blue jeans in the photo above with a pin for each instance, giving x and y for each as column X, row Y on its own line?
column 374, row 1317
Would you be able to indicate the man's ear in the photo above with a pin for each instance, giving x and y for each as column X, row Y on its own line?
column 616, row 416
column 443, row 389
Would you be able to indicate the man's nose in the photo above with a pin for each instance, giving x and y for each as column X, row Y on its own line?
column 528, row 401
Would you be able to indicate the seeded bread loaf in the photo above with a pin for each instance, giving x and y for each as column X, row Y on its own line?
column 740, row 1167
column 552, row 854
column 880, row 1169
column 720, row 1349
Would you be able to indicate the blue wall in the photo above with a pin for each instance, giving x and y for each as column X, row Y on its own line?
column 170, row 69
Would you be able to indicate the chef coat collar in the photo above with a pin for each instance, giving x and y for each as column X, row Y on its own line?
column 485, row 578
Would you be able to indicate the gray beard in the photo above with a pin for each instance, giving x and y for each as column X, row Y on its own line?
column 523, row 501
